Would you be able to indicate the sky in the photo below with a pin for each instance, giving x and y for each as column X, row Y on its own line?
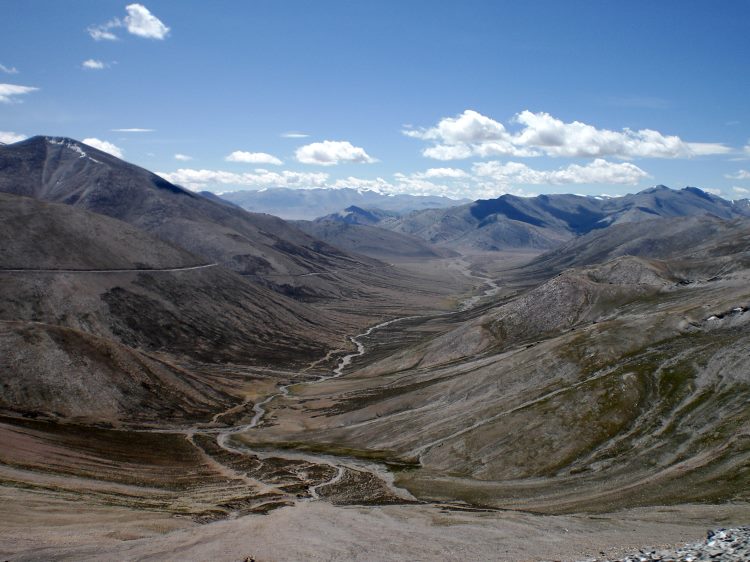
column 467, row 99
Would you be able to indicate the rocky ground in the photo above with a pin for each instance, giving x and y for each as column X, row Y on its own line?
column 730, row 545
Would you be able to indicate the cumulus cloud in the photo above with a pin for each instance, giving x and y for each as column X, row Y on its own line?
column 471, row 127
column 8, row 69
column 330, row 153
column 143, row 23
column 597, row 172
column 139, row 21
column 260, row 178
column 92, row 64
column 182, row 157
column 10, row 92
column 253, row 158
column 473, row 134
column 740, row 175
column 9, row 137
column 740, row 190
column 294, row 135
column 104, row 146
column 133, row 130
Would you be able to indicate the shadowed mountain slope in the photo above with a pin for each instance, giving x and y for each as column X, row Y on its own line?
column 38, row 235
column 96, row 298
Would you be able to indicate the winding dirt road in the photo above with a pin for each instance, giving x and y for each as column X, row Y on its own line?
column 138, row 270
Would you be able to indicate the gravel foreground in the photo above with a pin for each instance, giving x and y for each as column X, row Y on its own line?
column 731, row 545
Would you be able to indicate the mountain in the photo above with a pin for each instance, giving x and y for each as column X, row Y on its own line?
column 97, row 320
column 358, row 215
column 684, row 237
column 262, row 247
column 378, row 243
column 308, row 204
column 546, row 221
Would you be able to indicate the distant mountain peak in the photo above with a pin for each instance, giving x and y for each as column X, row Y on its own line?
column 656, row 189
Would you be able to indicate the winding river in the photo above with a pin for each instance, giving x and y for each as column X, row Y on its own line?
column 340, row 463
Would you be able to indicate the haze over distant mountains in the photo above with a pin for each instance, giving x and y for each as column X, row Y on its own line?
column 308, row 204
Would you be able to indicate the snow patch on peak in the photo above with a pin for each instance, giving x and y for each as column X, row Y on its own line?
column 68, row 144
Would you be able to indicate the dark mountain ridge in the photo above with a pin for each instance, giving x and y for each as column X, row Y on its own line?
column 545, row 221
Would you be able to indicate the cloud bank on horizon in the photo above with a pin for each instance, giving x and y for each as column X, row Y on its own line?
column 472, row 135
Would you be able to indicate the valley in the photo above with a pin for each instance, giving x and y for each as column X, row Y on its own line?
column 185, row 379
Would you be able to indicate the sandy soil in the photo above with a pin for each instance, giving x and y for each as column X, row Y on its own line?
column 320, row 531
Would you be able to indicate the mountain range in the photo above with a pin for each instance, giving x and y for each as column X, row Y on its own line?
column 308, row 204
column 545, row 221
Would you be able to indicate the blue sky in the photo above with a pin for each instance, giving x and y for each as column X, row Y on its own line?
column 466, row 99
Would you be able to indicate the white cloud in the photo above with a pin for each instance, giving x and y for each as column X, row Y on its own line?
column 201, row 179
column 576, row 139
column 8, row 69
column 253, row 158
column 182, row 157
column 448, row 152
column 740, row 175
column 104, row 146
column 143, row 23
column 442, row 173
column 294, row 135
column 473, row 134
column 133, row 130
column 740, row 190
column 713, row 191
column 598, row 171
column 9, row 137
column 8, row 92
column 138, row 21
column 92, row 64
column 103, row 32
column 329, row 153
column 471, row 127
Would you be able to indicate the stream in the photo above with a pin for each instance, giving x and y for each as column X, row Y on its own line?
column 340, row 463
